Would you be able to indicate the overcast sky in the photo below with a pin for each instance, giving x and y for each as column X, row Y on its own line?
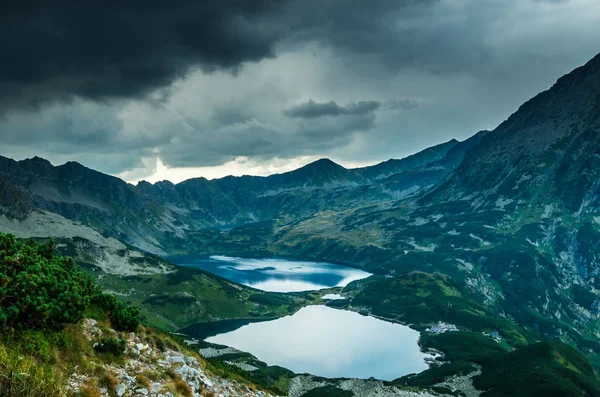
column 176, row 89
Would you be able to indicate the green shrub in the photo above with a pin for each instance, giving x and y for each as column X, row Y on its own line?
column 111, row 345
column 122, row 316
column 39, row 289
column 42, row 297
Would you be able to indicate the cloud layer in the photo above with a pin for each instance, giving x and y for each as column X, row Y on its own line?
column 119, row 85
column 312, row 109
column 100, row 50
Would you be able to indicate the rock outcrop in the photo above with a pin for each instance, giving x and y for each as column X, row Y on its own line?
column 147, row 370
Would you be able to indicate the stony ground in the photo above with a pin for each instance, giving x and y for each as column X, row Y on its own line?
column 367, row 387
column 145, row 371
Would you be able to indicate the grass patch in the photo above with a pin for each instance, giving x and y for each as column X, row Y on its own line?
column 541, row 369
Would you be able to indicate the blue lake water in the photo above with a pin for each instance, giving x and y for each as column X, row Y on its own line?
column 331, row 343
column 279, row 275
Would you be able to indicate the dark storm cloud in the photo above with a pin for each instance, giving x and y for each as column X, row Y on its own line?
column 114, row 49
column 405, row 104
column 105, row 49
column 312, row 109
column 123, row 80
column 55, row 50
column 408, row 33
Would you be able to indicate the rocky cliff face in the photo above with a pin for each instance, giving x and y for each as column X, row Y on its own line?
column 536, row 181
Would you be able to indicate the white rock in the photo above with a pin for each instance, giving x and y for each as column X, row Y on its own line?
column 194, row 372
column 191, row 360
column 183, row 370
column 176, row 360
column 141, row 347
column 194, row 385
column 155, row 387
column 120, row 389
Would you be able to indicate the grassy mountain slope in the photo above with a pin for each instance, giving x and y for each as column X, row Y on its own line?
column 62, row 336
column 170, row 297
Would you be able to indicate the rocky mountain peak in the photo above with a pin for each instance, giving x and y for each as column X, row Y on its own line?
column 36, row 165
column 323, row 164
column 557, row 129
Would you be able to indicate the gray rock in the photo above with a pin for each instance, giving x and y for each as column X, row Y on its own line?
column 120, row 389
column 176, row 360
column 141, row 347
column 155, row 387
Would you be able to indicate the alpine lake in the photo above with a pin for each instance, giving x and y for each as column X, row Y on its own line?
column 318, row 339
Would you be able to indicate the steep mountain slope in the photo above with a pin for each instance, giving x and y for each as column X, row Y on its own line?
column 551, row 144
column 13, row 201
column 415, row 161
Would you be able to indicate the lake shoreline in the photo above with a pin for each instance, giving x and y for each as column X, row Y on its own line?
column 330, row 343
column 277, row 275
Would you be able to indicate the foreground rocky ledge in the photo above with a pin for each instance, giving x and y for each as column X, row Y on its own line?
column 147, row 371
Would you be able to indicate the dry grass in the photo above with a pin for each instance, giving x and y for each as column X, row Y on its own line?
column 89, row 391
column 171, row 374
column 153, row 376
column 143, row 380
column 108, row 380
column 179, row 388
column 26, row 378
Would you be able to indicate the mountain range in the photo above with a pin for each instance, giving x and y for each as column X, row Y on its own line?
column 149, row 216
column 511, row 216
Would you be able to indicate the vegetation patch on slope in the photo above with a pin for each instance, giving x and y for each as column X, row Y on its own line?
column 62, row 336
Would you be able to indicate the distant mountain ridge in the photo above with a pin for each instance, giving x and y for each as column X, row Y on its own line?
column 150, row 215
